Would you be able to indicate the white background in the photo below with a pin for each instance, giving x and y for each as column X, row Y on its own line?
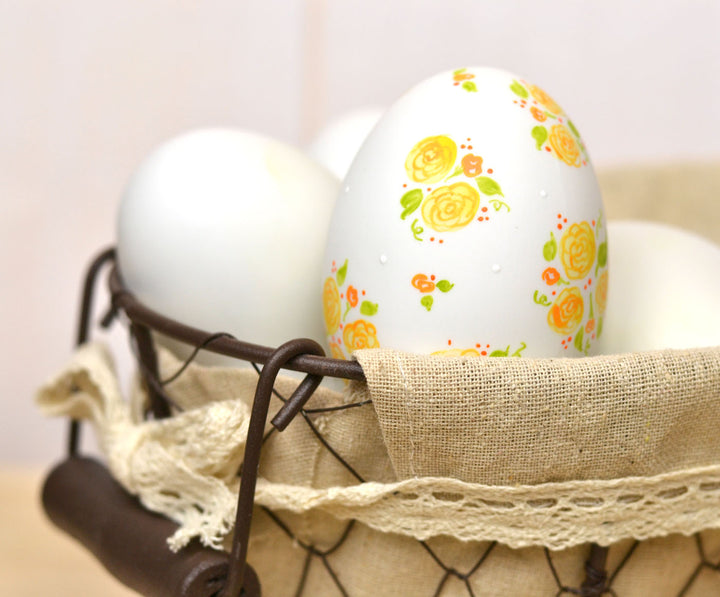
column 87, row 88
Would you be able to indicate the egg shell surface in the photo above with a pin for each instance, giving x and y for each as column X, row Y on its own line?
column 470, row 223
column 665, row 291
column 225, row 230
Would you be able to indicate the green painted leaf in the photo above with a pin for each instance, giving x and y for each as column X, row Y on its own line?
column 573, row 129
column 417, row 230
column 578, row 342
column 550, row 248
column 602, row 254
column 488, row 186
column 457, row 172
column 518, row 352
column 427, row 301
column 469, row 86
column 500, row 353
column 410, row 202
column 459, row 71
column 444, row 285
column 498, row 205
column 541, row 299
column 368, row 308
column 518, row 89
column 341, row 273
column 540, row 134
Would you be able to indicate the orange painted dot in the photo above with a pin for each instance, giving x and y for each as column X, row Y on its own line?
column 469, row 146
column 593, row 222
column 566, row 347
column 487, row 346
column 559, row 226
column 480, row 219
column 565, row 220
column 333, row 263
column 484, row 209
column 559, row 216
column 477, row 346
column 554, row 293
column 462, row 147
column 468, row 138
column 341, row 325
column 547, row 148
column 585, row 287
column 342, row 296
column 584, row 163
column 593, row 336
column 490, row 170
column 449, row 342
column 534, row 102
column 429, row 189
column 432, row 238
column 560, row 119
column 456, row 83
column 569, row 338
column 514, row 101
column 404, row 185
column 563, row 341
column 441, row 241
column 432, row 277
column 484, row 353
column 363, row 293
column 589, row 281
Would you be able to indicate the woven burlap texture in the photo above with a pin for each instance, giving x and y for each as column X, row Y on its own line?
column 528, row 452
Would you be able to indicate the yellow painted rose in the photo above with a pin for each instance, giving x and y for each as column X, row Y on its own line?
column 336, row 351
column 577, row 250
column 457, row 352
column 564, row 145
column 431, row 159
column 601, row 292
column 360, row 334
column 543, row 98
column 450, row 208
column 331, row 306
column 566, row 312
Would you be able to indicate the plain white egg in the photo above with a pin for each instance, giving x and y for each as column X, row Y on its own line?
column 665, row 290
column 224, row 230
column 336, row 145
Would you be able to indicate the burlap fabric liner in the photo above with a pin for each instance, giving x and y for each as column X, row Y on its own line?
column 527, row 452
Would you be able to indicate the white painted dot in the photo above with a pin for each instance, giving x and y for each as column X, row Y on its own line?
column 496, row 268
column 383, row 259
column 543, row 194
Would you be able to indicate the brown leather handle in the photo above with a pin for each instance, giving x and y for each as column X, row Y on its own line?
column 81, row 497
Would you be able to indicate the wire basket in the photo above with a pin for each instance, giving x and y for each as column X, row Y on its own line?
column 81, row 496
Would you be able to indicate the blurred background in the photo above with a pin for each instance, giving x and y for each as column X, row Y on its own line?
column 88, row 88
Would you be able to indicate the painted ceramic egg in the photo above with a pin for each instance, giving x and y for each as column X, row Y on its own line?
column 225, row 230
column 470, row 223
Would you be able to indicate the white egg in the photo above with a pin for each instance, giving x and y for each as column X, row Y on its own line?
column 336, row 145
column 665, row 289
column 470, row 223
column 224, row 230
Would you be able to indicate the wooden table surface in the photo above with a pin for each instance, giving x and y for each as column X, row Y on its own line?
column 36, row 559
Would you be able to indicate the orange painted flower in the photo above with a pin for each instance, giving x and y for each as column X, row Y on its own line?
column 457, row 352
column 331, row 306
column 551, row 276
column 422, row 283
column 472, row 165
column 463, row 76
column 360, row 334
column 336, row 351
column 577, row 250
column 450, row 208
column 352, row 296
column 431, row 159
column 566, row 312
column 538, row 115
column 601, row 292
column 544, row 99
column 564, row 145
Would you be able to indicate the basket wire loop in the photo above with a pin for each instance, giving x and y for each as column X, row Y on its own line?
column 253, row 445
